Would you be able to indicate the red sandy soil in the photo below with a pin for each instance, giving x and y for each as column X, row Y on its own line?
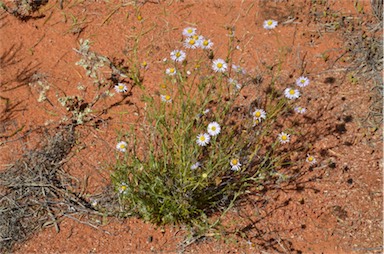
column 336, row 207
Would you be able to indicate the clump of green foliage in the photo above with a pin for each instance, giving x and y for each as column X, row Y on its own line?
column 166, row 174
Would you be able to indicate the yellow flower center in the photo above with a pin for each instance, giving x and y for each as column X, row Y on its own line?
column 139, row 18
column 213, row 128
column 167, row 97
column 144, row 64
column 172, row 70
column 163, row 86
column 121, row 87
column 123, row 188
column 234, row 161
column 310, row 158
column 269, row 22
column 204, row 175
column 192, row 42
column 257, row 114
column 302, row 81
column 189, row 30
column 205, row 43
column 292, row 92
column 178, row 54
column 219, row 65
column 197, row 66
column 284, row 137
column 122, row 146
column 195, row 37
column 202, row 138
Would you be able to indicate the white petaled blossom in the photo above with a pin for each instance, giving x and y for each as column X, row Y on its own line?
column 235, row 164
column 178, row 55
column 189, row 31
column 122, row 146
column 310, row 159
column 166, row 98
column 144, row 65
column 300, row 110
column 291, row 93
column 191, row 43
column 123, row 188
column 284, row 137
column 234, row 82
column 196, row 165
column 213, row 129
column 238, row 69
column 206, row 43
column 199, row 39
column 121, row 88
column 203, row 139
column 170, row 71
column 259, row 114
column 255, row 121
column 206, row 111
column 270, row 24
column 302, row 81
column 219, row 65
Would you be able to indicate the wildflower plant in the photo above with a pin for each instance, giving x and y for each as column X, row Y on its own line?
column 194, row 155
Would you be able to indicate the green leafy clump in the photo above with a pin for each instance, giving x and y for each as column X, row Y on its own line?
column 166, row 174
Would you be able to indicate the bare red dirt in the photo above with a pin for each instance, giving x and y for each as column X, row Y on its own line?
column 335, row 207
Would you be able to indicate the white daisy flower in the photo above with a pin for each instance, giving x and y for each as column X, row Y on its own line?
column 256, row 121
column 191, row 43
column 291, row 93
column 189, row 31
column 122, row 146
column 203, row 139
column 270, row 24
column 310, row 159
column 302, row 81
column 259, row 114
column 235, row 164
column 196, row 165
column 206, row 43
column 189, row 73
column 171, row 71
column 219, row 65
column 300, row 110
column 178, row 55
column 199, row 39
column 121, row 88
column 214, row 129
column 123, row 188
column 144, row 65
column 238, row 69
column 166, row 98
column 206, row 111
column 284, row 137
column 234, row 82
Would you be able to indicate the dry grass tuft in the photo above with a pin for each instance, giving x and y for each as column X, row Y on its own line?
column 36, row 191
column 365, row 46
